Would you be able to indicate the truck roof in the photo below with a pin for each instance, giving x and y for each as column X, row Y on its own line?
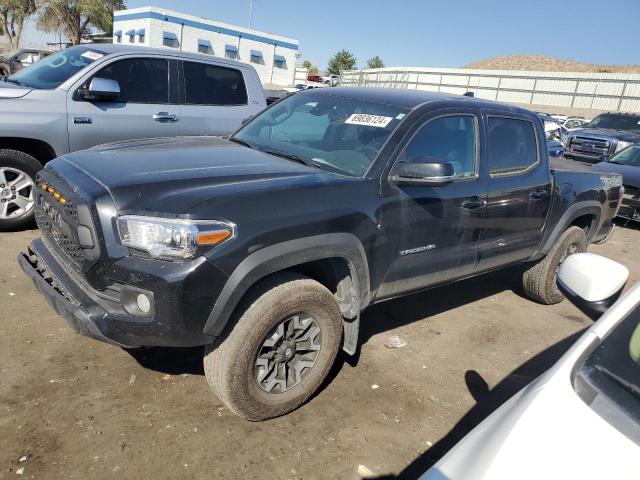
column 114, row 48
column 411, row 98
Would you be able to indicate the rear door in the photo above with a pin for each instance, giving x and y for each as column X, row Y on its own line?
column 214, row 99
column 145, row 109
column 519, row 190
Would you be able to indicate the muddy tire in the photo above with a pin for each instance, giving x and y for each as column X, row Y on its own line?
column 18, row 172
column 539, row 281
column 280, row 347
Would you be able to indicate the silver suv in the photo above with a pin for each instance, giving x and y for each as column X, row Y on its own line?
column 93, row 94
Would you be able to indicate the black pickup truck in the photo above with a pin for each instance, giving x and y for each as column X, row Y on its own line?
column 265, row 247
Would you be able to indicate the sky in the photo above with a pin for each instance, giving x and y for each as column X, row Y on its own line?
column 433, row 33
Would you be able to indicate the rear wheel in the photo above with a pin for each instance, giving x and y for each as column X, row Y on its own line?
column 279, row 350
column 539, row 281
column 17, row 189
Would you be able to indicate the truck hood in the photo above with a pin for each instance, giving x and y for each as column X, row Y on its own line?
column 630, row 174
column 604, row 133
column 11, row 90
column 168, row 175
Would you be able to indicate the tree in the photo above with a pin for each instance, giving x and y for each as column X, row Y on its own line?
column 307, row 64
column 375, row 62
column 343, row 60
column 76, row 17
column 13, row 15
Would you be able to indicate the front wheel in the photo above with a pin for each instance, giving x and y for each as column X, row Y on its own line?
column 539, row 281
column 280, row 349
column 17, row 189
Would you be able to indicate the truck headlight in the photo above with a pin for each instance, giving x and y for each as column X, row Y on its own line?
column 170, row 238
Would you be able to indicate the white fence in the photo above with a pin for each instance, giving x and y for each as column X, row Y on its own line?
column 593, row 91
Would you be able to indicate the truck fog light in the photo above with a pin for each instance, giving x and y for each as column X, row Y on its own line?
column 144, row 304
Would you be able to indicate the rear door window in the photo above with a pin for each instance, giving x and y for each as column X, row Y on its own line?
column 207, row 84
column 512, row 145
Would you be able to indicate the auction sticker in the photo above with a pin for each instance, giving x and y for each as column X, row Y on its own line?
column 368, row 120
column 92, row 55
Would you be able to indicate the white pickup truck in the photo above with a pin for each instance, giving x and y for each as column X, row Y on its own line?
column 93, row 94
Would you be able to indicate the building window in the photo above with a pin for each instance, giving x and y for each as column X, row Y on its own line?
column 231, row 52
column 140, row 32
column 132, row 36
column 279, row 61
column 170, row 39
column 118, row 36
column 204, row 46
column 256, row 57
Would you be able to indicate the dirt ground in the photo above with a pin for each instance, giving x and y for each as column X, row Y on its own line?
column 77, row 408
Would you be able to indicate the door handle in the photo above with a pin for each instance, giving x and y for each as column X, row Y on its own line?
column 474, row 203
column 538, row 194
column 165, row 117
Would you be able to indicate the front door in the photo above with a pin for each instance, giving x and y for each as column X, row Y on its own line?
column 143, row 111
column 519, row 187
column 434, row 229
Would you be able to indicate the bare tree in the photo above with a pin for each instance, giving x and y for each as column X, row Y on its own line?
column 13, row 15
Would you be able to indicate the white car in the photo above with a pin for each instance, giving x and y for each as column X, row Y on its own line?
column 581, row 419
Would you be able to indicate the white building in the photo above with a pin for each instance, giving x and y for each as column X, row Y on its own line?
column 274, row 57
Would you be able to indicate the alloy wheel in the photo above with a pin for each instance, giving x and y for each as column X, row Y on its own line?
column 16, row 193
column 288, row 354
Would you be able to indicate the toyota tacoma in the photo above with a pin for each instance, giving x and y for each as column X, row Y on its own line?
column 265, row 247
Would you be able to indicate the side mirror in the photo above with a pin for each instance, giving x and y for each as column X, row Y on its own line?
column 591, row 282
column 246, row 120
column 424, row 171
column 103, row 89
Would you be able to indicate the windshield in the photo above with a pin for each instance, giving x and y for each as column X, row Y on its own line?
column 628, row 156
column 629, row 123
column 337, row 133
column 52, row 71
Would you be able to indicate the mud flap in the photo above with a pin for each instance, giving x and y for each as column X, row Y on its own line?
column 350, row 335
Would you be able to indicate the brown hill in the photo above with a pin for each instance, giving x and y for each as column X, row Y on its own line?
column 547, row 64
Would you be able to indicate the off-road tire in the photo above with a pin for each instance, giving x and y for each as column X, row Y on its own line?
column 539, row 280
column 229, row 363
column 29, row 165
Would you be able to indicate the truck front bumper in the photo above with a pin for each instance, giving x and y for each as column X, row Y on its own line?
column 107, row 315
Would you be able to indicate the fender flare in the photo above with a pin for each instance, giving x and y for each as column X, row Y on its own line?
column 588, row 207
column 285, row 255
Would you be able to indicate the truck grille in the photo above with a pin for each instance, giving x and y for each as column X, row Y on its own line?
column 59, row 226
column 592, row 147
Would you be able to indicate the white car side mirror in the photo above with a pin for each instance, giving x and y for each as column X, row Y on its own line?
column 591, row 282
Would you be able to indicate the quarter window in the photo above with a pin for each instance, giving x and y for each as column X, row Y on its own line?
column 512, row 145
column 141, row 80
column 213, row 85
column 450, row 139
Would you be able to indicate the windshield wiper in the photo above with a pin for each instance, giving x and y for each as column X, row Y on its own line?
column 628, row 386
column 292, row 156
column 242, row 142
column 9, row 79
